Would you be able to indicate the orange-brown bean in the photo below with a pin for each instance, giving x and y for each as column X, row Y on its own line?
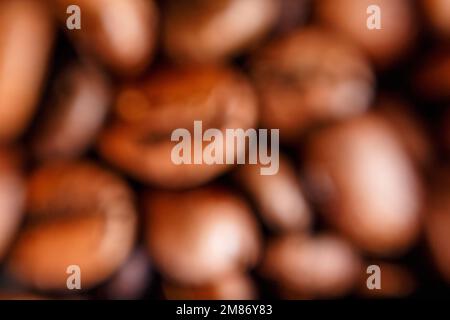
column 202, row 31
column 120, row 33
column 365, row 182
column 26, row 33
column 75, row 113
column 318, row 267
column 235, row 286
column 78, row 214
column 195, row 237
column 385, row 45
column 279, row 198
column 307, row 78
column 138, row 141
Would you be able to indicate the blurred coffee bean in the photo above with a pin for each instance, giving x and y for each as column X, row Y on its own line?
column 432, row 80
column 235, row 286
column 279, row 198
column 26, row 33
column 310, row 77
column 202, row 31
column 196, row 237
column 366, row 184
column 75, row 113
column 409, row 128
column 78, row 214
column 132, row 279
column 396, row 281
column 12, row 197
column 120, row 33
column 139, row 142
column 385, row 45
column 437, row 224
column 320, row 267
column 438, row 14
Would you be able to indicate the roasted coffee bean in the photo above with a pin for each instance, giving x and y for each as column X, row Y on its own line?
column 78, row 214
column 279, row 198
column 362, row 177
column 438, row 14
column 385, row 45
column 409, row 128
column 195, row 237
column 236, row 286
column 437, row 224
column 139, row 140
column 319, row 267
column 12, row 197
column 76, row 110
column 396, row 281
column 26, row 36
column 120, row 33
column 432, row 80
column 310, row 77
column 209, row 31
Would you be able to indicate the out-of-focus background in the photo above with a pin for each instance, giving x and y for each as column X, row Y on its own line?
column 90, row 92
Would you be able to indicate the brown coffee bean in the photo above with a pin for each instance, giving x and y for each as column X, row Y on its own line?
column 310, row 77
column 437, row 224
column 438, row 15
column 396, row 281
column 12, row 197
column 365, row 182
column 120, row 33
column 385, row 45
column 432, row 80
column 279, row 198
column 323, row 266
column 26, row 33
column 235, row 286
column 209, row 31
column 78, row 214
column 76, row 110
column 196, row 237
column 409, row 128
column 139, row 140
